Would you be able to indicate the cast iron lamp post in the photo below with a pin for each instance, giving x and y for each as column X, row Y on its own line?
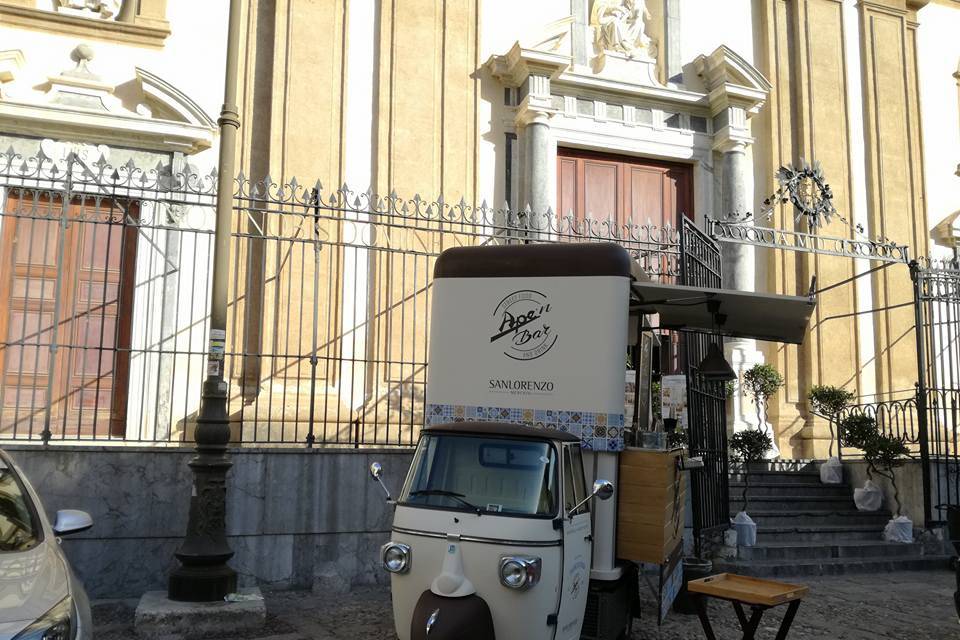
column 204, row 575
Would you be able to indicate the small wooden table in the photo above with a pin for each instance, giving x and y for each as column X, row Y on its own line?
column 759, row 594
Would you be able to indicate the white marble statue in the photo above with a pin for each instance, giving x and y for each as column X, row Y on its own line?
column 621, row 26
column 107, row 9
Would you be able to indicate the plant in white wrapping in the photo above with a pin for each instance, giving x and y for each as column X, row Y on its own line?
column 882, row 452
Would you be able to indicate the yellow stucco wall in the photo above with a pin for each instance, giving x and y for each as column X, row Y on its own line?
column 809, row 117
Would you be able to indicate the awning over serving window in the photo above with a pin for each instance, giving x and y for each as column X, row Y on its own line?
column 759, row 316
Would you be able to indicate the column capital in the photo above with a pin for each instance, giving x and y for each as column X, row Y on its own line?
column 534, row 110
column 732, row 140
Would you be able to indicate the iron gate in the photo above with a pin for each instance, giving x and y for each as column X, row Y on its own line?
column 937, row 308
column 700, row 266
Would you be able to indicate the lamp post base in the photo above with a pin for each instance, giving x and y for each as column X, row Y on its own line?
column 201, row 583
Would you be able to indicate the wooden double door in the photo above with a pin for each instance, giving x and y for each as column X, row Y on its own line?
column 635, row 191
column 83, row 382
column 622, row 188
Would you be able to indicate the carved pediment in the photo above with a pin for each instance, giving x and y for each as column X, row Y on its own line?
column 145, row 111
column 726, row 67
column 162, row 99
column 947, row 232
column 732, row 81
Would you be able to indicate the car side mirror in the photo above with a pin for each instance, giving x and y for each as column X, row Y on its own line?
column 71, row 521
column 376, row 472
column 602, row 489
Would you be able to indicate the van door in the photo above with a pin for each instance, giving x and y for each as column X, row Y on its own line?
column 577, row 547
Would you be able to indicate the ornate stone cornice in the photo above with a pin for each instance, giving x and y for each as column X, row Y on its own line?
column 11, row 62
column 947, row 232
column 145, row 30
column 731, row 81
column 514, row 67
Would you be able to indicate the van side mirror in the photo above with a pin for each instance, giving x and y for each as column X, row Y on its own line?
column 376, row 472
column 71, row 521
column 602, row 489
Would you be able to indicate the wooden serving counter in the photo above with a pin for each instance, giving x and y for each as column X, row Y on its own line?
column 651, row 505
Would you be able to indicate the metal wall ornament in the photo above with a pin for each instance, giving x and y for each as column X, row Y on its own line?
column 806, row 188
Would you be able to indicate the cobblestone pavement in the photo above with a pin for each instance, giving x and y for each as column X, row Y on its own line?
column 914, row 605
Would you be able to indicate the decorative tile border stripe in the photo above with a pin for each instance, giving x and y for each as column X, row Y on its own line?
column 597, row 431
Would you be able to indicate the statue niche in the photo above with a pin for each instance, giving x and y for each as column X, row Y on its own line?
column 620, row 26
column 104, row 9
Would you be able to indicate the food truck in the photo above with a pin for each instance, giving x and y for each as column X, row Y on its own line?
column 523, row 515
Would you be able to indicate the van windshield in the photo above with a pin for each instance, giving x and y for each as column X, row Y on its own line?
column 485, row 475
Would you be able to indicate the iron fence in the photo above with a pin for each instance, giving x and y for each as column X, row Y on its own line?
column 106, row 281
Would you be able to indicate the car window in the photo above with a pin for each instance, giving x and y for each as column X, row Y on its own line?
column 19, row 530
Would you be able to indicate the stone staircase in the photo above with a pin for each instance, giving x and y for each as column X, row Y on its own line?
column 808, row 528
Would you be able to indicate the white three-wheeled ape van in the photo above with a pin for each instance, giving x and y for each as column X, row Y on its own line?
column 506, row 525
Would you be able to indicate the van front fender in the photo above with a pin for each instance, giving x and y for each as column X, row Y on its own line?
column 439, row 618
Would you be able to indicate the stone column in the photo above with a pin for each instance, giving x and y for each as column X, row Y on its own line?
column 537, row 192
column 533, row 118
column 739, row 272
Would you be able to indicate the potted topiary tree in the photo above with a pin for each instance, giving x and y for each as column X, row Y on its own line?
column 748, row 447
column 828, row 402
column 761, row 382
column 883, row 453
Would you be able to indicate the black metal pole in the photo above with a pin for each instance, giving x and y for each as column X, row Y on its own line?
column 922, row 416
column 204, row 575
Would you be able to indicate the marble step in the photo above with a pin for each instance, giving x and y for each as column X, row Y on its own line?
column 816, row 517
column 792, row 503
column 790, row 490
column 825, row 534
column 777, row 477
column 845, row 549
column 837, row 566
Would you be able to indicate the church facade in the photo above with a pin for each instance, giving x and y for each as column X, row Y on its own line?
column 634, row 112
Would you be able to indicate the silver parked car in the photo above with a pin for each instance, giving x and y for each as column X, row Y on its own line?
column 40, row 597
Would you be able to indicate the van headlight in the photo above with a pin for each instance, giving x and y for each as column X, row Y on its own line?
column 55, row 624
column 519, row 572
column 395, row 557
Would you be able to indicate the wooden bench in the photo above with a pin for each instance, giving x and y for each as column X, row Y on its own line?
column 758, row 594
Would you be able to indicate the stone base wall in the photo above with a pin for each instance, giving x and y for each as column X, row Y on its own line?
column 296, row 518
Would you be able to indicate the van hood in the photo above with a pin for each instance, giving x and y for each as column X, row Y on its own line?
column 31, row 583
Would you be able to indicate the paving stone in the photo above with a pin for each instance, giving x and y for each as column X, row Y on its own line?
column 891, row 606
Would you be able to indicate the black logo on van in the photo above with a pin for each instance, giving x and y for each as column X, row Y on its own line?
column 522, row 322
